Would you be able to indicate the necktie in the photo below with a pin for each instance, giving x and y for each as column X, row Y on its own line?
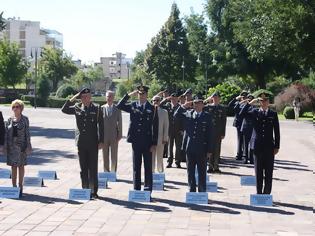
column 110, row 110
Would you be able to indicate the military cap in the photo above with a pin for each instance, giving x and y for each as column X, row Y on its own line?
column 180, row 93
column 188, row 91
column 142, row 89
column 215, row 94
column 244, row 93
column 85, row 91
column 263, row 96
column 198, row 98
column 250, row 96
column 175, row 94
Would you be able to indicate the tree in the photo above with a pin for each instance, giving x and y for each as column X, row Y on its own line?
column 2, row 23
column 56, row 65
column 168, row 51
column 13, row 67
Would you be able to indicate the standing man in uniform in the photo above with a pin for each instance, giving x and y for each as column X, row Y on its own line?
column 238, row 120
column 89, row 136
column 175, row 129
column 2, row 132
column 112, row 132
column 218, row 114
column 157, row 157
column 142, row 134
column 197, row 142
column 265, row 141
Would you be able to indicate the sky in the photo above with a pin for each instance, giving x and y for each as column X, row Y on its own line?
column 95, row 28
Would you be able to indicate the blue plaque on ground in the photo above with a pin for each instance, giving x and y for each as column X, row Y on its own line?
column 248, row 180
column 33, row 182
column 158, row 177
column 46, row 174
column 9, row 192
column 212, row 187
column 158, row 185
column 139, row 196
column 5, row 174
column 110, row 176
column 197, row 198
column 80, row 194
column 102, row 183
column 261, row 200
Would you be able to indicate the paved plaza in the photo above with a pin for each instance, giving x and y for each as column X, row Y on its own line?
column 47, row 210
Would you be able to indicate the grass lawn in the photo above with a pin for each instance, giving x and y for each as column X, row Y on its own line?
column 305, row 116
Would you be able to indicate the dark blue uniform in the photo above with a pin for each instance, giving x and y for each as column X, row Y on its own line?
column 88, row 134
column 247, row 131
column 142, row 134
column 265, row 138
column 235, row 105
column 196, row 144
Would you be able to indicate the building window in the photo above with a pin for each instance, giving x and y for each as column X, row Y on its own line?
column 22, row 34
column 112, row 70
column 112, row 63
column 22, row 44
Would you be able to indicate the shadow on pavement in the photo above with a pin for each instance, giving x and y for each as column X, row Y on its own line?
column 43, row 199
column 251, row 208
column 136, row 205
column 52, row 132
column 40, row 156
column 203, row 208
column 290, row 205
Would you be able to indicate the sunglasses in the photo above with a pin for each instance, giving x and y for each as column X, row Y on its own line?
column 13, row 107
column 155, row 100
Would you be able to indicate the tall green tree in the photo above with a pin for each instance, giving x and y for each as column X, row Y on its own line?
column 2, row 23
column 169, row 51
column 13, row 67
column 56, row 65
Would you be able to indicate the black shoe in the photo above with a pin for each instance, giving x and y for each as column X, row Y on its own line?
column 217, row 171
column 245, row 161
column 178, row 166
column 251, row 162
column 94, row 196
column 210, row 170
column 169, row 165
column 238, row 158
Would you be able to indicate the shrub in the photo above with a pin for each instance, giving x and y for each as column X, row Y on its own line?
column 65, row 90
column 227, row 91
column 306, row 94
column 56, row 102
column 288, row 112
column 28, row 98
column 155, row 87
column 310, row 80
column 43, row 91
column 278, row 84
column 123, row 88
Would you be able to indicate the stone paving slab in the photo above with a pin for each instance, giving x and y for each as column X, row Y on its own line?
column 47, row 210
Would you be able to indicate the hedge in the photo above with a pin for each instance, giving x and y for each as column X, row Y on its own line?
column 288, row 112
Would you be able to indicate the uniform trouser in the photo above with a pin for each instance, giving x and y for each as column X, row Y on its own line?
column 157, row 158
column 176, row 138
column 216, row 151
column 240, row 143
column 248, row 152
column 88, row 158
column 111, row 145
column 139, row 151
column 199, row 160
column 165, row 150
column 264, row 161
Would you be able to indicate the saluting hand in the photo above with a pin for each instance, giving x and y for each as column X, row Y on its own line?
column 152, row 148
column 75, row 97
column 133, row 93
column 275, row 151
column 100, row 145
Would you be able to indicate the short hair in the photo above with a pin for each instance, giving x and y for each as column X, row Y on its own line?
column 110, row 92
column 19, row 102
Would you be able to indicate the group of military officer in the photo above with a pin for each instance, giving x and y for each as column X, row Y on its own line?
column 196, row 127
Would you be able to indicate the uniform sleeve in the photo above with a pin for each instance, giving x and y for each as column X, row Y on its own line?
column 2, row 130
column 119, row 125
column 223, row 121
column 165, row 126
column 100, row 125
column 122, row 104
column 276, row 128
column 155, row 127
column 68, row 108
column 232, row 103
